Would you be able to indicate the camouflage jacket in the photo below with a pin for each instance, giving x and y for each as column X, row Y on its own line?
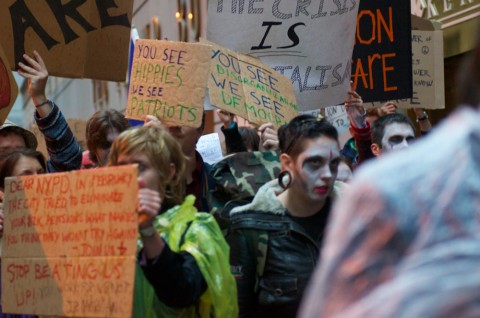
column 237, row 179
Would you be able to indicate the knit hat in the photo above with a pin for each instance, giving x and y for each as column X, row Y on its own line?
column 28, row 136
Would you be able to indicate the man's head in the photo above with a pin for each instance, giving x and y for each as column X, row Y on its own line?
column 102, row 129
column 391, row 132
column 13, row 136
column 187, row 137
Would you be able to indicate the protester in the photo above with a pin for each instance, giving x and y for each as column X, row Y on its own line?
column 184, row 256
column 102, row 129
column 345, row 171
column 391, row 132
column 63, row 149
column 275, row 241
column 13, row 163
column 408, row 244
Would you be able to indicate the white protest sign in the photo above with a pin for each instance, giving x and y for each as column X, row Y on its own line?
column 210, row 149
column 310, row 42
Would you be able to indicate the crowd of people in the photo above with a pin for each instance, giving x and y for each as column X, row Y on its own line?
column 287, row 209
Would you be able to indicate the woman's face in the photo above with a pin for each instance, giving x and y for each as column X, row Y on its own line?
column 315, row 169
column 27, row 166
column 146, row 171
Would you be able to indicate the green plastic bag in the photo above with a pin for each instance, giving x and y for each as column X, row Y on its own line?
column 205, row 242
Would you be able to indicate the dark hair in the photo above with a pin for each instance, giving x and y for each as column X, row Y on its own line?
column 378, row 126
column 9, row 159
column 468, row 79
column 291, row 135
column 98, row 127
column 250, row 138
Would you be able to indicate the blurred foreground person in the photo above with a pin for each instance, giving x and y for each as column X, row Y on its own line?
column 275, row 240
column 184, row 260
column 408, row 245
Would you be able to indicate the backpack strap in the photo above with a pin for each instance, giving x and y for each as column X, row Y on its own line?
column 261, row 242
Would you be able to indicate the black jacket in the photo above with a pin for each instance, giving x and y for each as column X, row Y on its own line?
column 275, row 289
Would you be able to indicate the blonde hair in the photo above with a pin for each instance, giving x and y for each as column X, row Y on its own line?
column 162, row 150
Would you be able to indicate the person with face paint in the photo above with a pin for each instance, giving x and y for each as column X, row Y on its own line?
column 391, row 132
column 275, row 240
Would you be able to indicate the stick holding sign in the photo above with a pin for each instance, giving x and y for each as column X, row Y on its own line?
column 168, row 80
column 245, row 86
column 69, row 243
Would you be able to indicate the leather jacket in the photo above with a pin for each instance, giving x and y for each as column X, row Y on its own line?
column 291, row 256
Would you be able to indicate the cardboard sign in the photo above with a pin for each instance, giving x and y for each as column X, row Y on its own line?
column 428, row 74
column 87, row 38
column 210, row 148
column 249, row 88
column 337, row 116
column 169, row 80
column 310, row 42
column 8, row 87
column 69, row 243
column 382, row 68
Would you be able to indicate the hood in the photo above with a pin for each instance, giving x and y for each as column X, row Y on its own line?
column 266, row 201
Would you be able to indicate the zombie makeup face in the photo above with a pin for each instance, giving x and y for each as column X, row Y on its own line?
column 315, row 169
column 397, row 136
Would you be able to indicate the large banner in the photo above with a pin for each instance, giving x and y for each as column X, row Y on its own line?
column 169, row 81
column 382, row 57
column 245, row 86
column 69, row 243
column 310, row 42
column 83, row 38
column 8, row 87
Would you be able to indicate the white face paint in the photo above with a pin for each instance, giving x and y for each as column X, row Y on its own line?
column 397, row 136
column 316, row 169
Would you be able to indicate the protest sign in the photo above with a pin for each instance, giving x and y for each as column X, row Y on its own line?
column 310, row 42
column 428, row 74
column 169, row 80
column 209, row 147
column 8, row 87
column 382, row 56
column 86, row 38
column 69, row 243
column 245, row 86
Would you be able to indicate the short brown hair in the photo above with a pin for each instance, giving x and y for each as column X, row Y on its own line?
column 9, row 159
column 98, row 127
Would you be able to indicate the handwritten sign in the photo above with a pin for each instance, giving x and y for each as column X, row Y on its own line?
column 337, row 116
column 245, row 86
column 209, row 147
column 8, row 87
column 88, row 38
column 169, row 80
column 382, row 68
column 69, row 243
column 310, row 42
column 428, row 74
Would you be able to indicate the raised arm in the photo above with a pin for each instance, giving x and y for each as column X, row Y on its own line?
column 63, row 149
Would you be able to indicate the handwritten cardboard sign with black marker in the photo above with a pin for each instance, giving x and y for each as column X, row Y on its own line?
column 169, row 80
column 382, row 56
column 245, row 86
column 310, row 42
column 69, row 243
column 8, row 87
column 88, row 38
